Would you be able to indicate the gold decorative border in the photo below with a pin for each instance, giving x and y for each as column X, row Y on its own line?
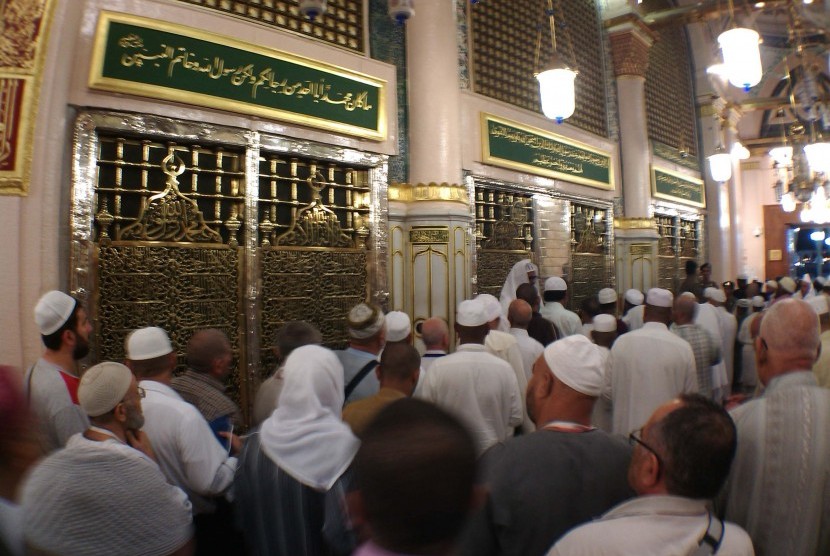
column 408, row 193
column 429, row 234
column 684, row 177
column 621, row 223
column 487, row 158
column 98, row 81
column 16, row 182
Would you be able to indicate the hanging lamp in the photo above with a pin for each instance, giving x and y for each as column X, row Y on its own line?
column 556, row 81
column 741, row 54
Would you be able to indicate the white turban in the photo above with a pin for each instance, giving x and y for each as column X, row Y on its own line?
column 364, row 321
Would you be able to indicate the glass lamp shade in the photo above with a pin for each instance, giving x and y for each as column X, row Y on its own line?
column 720, row 166
column 783, row 156
column 788, row 203
column 739, row 152
column 556, row 89
column 818, row 157
column 741, row 56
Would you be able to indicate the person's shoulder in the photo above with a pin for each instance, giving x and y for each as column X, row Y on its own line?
column 735, row 541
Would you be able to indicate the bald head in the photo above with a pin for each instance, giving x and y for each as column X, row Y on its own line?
column 435, row 333
column 519, row 313
column 685, row 309
column 788, row 340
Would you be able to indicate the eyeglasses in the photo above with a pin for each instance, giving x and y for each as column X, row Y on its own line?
column 141, row 392
column 635, row 438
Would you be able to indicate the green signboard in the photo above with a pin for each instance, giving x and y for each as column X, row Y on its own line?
column 164, row 60
column 680, row 188
column 537, row 151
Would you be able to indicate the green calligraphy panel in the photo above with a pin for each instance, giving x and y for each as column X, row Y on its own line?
column 679, row 188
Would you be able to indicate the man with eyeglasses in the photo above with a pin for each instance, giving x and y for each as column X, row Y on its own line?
column 680, row 461
column 104, row 493
column 779, row 489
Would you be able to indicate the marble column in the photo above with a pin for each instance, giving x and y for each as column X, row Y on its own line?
column 738, row 261
column 635, row 233
column 719, row 221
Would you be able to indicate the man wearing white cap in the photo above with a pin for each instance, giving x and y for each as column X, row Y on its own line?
column 705, row 348
column 566, row 473
column 746, row 342
column 708, row 319
column 649, row 366
column 633, row 309
column 51, row 384
column 104, row 494
column 473, row 384
column 566, row 322
column 398, row 327
column 366, row 325
column 728, row 331
column 604, row 334
column 187, row 450
column 786, row 289
column 821, row 368
column 607, row 298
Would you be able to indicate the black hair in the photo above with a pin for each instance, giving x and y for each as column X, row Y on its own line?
column 554, row 295
column 54, row 340
column 294, row 334
column 698, row 443
column 691, row 267
column 415, row 470
column 399, row 360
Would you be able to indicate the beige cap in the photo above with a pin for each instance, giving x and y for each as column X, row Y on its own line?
column 52, row 311
column 606, row 295
column 605, row 323
column 658, row 297
column 787, row 284
column 364, row 321
column 555, row 284
column 715, row 294
column 471, row 312
column 147, row 343
column 398, row 326
column 103, row 386
column 758, row 301
column 577, row 362
column 635, row 297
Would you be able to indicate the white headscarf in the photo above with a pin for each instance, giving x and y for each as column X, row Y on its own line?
column 516, row 277
column 305, row 435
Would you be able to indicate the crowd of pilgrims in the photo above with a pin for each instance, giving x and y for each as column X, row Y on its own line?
column 658, row 422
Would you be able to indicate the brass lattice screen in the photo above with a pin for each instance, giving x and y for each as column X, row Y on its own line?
column 590, row 234
column 341, row 25
column 679, row 242
column 504, row 36
column 504, row 235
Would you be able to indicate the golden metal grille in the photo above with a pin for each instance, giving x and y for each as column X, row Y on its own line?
column 504, row 235
column 679, row 241
column 669, row 95
column 342, row 24
column 504, row 45
column 589, row 242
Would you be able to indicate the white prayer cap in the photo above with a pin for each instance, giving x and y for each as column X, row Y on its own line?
column 471, row 312
column 148, row 343
column 635, row 297
column 103, row 387
column 771, row 285
column 688, row 294
column 53, row 310
column 364, row 321
column 491, row 305
column 398, row 326
column 744, row 303
column 743, row 276
column 606, row 295
column 555, row 284
column 787, row 284
column 658, row 297
column 758, row 301
column 821, row 281
column 819, row 304
column 605, row 323
column 715, row 295
column 577, row 362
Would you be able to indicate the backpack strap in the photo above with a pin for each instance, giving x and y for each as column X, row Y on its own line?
column 358, row 378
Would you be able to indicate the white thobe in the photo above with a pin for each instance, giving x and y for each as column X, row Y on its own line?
column 188, row 453
column 647, row 368
column 651, row 525
column 779, row 487
column 729, row 329
column 707, row 317
column 601, row 417
column 634, row 317
column 504, row 346
column 566, row 321
column 427, row 359
column 529, row 348
column 749, row 374
column 478, row 388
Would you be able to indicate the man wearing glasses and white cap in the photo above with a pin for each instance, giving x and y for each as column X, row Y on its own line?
column 556, row 291
column 649, row 366
column 51, row 384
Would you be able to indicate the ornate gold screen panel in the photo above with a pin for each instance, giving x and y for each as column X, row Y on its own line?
column 341, row 25
column 679, row 242
column 504, row 235
column 590, row 247
column 188, row 225
column 504, row 36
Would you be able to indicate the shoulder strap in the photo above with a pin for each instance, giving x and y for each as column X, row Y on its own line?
column 358, row 378
column 712, row 538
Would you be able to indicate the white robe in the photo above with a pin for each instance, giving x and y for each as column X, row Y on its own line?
column 728, row 328
column 708, row 319
column 647, row 368
column 504, row 346
column 634, row 317
column 567, row 322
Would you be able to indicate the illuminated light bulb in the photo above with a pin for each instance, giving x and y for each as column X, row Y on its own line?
column 742, row 57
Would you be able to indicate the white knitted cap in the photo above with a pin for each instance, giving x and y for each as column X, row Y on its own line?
column 52, row 311
column 605, row 323
column 787, row 284
column 635, row 297
column 577, row 362
column 606, row 295
column 658, row 297
column 555, row 284
column 471, row 312
column 364, row 321
column 491, row 305
column 715, row 295
column 103, row 387
column 148, row 343
column 758, row 301
column 398, row 326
